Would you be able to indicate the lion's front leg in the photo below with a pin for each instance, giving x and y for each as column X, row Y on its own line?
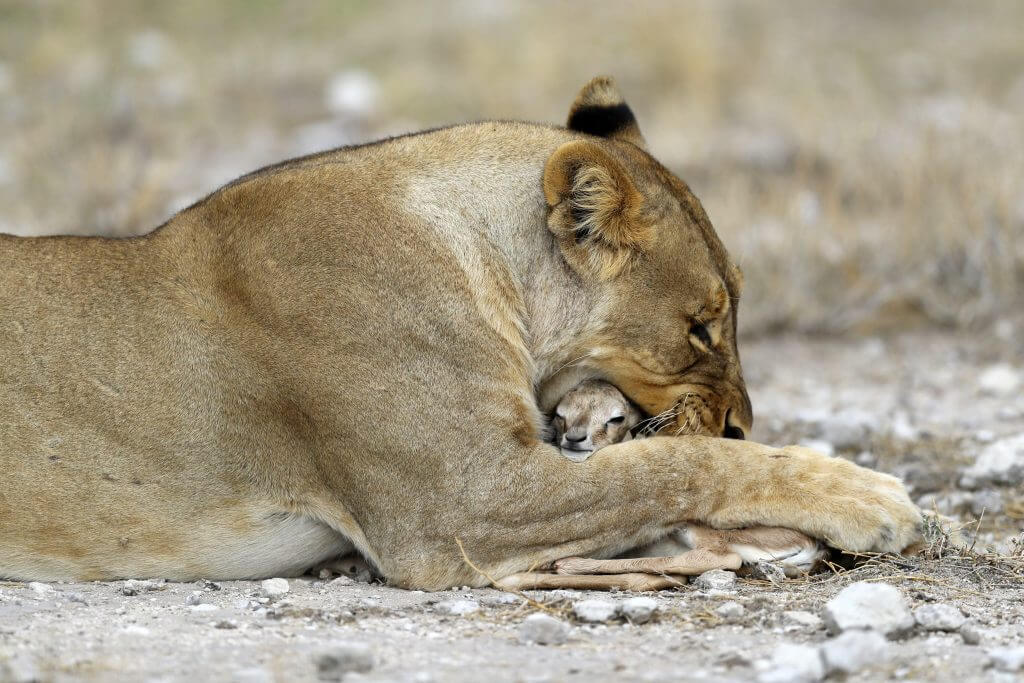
column 848, row 506
column 629, row 494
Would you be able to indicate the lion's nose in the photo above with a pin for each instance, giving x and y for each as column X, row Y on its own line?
column 575, row 437
column 732, row 429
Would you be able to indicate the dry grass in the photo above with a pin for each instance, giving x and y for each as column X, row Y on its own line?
column 863, row 161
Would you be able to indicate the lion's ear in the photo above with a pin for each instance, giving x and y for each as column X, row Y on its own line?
column 600, row 110
column 596, row 210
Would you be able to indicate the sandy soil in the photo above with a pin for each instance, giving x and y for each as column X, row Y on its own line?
column 913, row 405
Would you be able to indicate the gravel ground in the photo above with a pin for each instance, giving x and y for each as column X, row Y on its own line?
column 926, row 406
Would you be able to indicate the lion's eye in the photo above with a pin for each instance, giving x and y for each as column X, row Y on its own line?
column 617, row 420
column 701, row 333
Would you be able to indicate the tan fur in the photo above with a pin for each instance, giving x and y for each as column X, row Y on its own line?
column 253, row 387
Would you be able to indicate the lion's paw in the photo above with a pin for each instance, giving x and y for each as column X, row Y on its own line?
column 861, row 510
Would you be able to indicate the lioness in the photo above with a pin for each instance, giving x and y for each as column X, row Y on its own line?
column 252, row 388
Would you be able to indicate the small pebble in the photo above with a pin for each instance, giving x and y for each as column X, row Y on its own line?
column 458, row 608
column 970, row 634
column 543, row 630
column 640, row 609
column 195, row 598
column 939, row 617
column 333, row 663
column 594, row 610
column 274, row 588
column 852, row 651
column 730, row 610
column 768, row 571
column 716, row 579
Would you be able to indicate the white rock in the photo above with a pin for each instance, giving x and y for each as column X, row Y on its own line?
column 274, row 588
column 792, row 663
column 594, row 610
column 863, row 605
column 203, row 607
column 457, row 608
column 1001, row 379
column 343, row 658
column 730, row 610
column 543, row 630
column 640, row 609
column 1001, row 462
column 852, row 651
column 1007, row 659
column 939, row 617
column 352, row 92
column 806, row 619
column 40, row 588
column 716, row 579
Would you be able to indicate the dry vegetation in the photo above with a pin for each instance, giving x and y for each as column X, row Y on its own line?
column 863, row 161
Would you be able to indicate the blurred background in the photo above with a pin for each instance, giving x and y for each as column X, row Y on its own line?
column 863, row 161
